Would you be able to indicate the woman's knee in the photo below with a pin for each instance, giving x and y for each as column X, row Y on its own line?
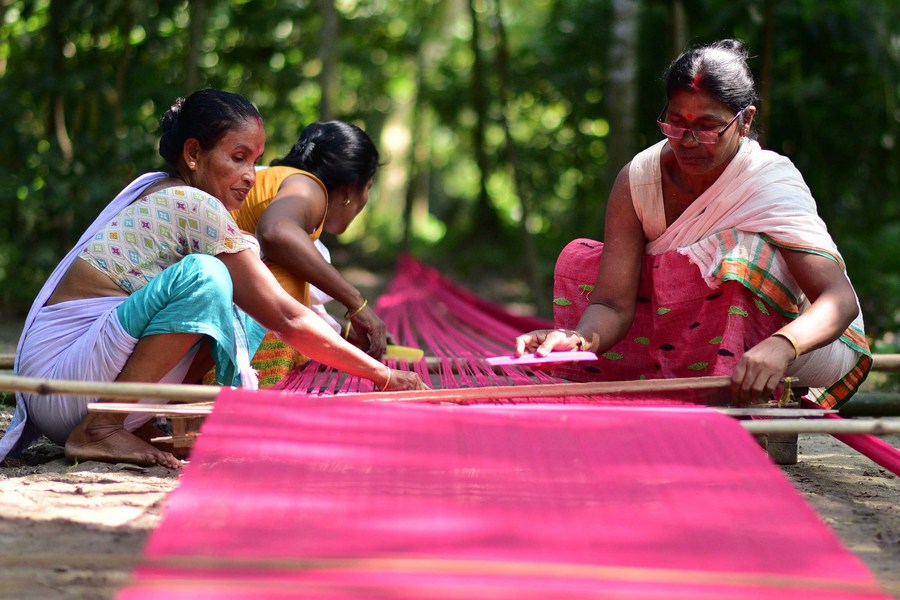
column 205, row 270
column 195, row 287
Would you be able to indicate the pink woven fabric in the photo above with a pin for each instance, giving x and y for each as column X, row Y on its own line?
column 424, row 309
column 288, row 497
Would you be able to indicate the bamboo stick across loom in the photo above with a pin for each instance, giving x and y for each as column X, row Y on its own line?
column 205, row 393
column 888, row 363
column 201, row 397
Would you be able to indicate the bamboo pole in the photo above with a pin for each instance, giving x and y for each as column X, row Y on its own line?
column 784, row 420
column 881, row 362
column 205, row 408
column 889, row 363
column 882, row 426
column 546, row 390
column 201, row 397
column 872, row 404
column 205, row 393
column 117, row 391
column 194, row 409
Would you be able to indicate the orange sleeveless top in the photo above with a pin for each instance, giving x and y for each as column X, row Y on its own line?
column 268, row 181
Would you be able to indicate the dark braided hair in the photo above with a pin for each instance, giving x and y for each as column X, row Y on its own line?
column 337, row 152
column 206, row 115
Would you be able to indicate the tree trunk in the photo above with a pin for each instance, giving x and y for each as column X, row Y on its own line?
column 485, row 216
column 679, row 28
column 540, row 296
column 124, row 61
column 765, row 102
column 417, row 183
column 328, row 54
column 198, row 29
column 622, row 91
column 57, row 103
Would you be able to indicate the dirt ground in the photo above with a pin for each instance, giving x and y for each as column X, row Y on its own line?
column 74, row 531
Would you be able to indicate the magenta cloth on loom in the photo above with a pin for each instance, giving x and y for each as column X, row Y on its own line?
column 291, row 497
column 424, row 309
column 673, row 334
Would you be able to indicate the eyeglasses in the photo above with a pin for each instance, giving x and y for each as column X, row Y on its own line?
column 703, row 136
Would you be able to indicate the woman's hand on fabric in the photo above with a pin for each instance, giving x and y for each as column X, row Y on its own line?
column 405, row 380
column 760, row 370
column 544, row 341
column 370, row 331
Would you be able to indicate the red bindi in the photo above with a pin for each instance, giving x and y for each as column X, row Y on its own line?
column 690, row 116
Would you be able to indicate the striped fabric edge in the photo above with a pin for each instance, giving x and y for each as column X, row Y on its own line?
column 274, row 360
column 837, row 395
column 756, row 274
column 801, row 248
column 759, row 281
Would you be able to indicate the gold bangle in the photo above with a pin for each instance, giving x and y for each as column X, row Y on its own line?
column 352, row 313
column 388, row 382
column 582, row 342
column 790, row 339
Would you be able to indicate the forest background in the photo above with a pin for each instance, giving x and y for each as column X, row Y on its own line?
column 502, row 122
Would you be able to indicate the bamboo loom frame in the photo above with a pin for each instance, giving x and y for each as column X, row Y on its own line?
column 200, row 400
column 888, row 363
column 205, row 393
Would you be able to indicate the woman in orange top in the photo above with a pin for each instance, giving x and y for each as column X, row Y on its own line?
column 322, row 184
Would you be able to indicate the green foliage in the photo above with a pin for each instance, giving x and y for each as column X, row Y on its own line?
column 83, row 85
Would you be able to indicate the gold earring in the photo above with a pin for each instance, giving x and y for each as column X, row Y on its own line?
column 193, row 165
column 346, row 201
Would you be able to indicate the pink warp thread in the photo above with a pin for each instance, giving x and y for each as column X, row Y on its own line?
column 423, row 309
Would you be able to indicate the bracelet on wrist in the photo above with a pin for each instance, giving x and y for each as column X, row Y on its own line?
column 388, row 380
column 584, row 344
column 352, row 313
column 791, row 340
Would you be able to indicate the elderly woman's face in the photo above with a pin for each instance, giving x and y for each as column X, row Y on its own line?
column 702, row 111
column 227, row 171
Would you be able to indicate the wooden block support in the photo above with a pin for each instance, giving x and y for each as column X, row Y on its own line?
column 781, row 447
column 185, row 430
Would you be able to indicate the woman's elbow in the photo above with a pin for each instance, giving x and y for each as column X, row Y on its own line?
column 843, row 303
column 849, row 309
column 270, row 239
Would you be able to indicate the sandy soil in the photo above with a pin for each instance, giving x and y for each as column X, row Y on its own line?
column 74, row 531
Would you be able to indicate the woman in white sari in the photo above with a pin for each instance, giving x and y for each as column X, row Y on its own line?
column 738, row 213
column 162, row 286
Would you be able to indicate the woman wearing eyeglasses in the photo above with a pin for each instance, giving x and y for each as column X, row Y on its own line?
column 714, row 260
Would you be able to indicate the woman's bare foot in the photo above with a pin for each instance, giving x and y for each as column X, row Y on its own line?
column 96, row 439
column 149, row 431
